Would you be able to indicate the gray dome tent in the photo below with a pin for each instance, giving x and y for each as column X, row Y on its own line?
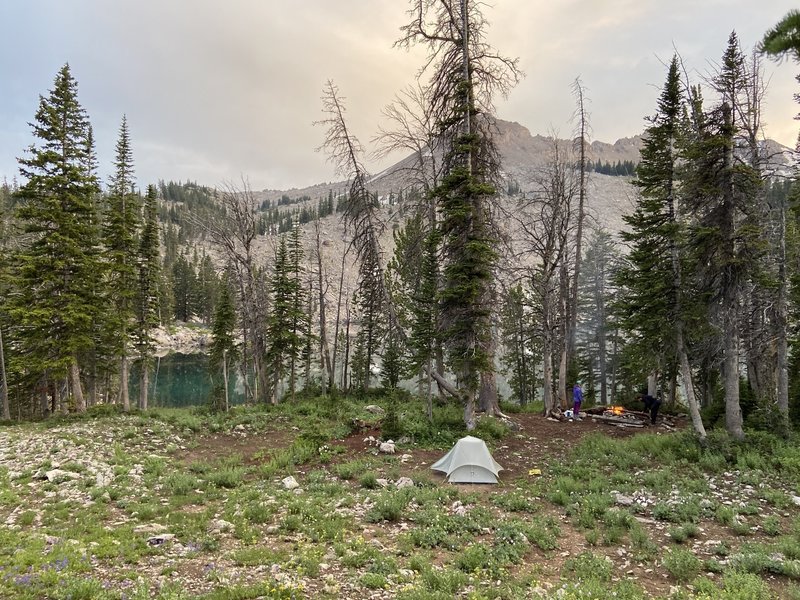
column 468, row 461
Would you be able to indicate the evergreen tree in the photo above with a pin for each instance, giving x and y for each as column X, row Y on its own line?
column 147, row 291
column 465, row 71
column 120, row 232
column 654, row 303
column 721, row 192
column 522, row 351
column 284, row 331
column 184, row 292
column 299, row 320
column 223, row 348
column 58, row 270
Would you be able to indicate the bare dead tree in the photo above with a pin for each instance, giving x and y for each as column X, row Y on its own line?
column 360, row 217
column 580, row 147
column 235, row 234
column 543, row 219
column 325, row 363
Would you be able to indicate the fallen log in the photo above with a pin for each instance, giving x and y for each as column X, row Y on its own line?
column 615, row 420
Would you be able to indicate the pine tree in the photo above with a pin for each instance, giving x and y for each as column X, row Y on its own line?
column 465, row 71
column 285, row 330
column 120, row 232
column 57, row 271
column 654, row 301
column 147, row 291
column 223, row 348
column 721, row 190
column 522, row 349
column 299, row 319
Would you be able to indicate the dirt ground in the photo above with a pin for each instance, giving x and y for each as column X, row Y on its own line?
column 534, row 441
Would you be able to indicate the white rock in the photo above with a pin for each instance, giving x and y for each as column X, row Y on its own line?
column 387, row 447
column 103, row 479
column 375, row 410
column 404, row 482
column 219, row 525
column 796, row 500
column 59, row 476
column 290, row 483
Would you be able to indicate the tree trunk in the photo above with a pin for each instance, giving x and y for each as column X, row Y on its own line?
column 123, row 382
column 469, row 410
column 730, row 371
column 332, row 373
column 782, row 351
column 688, row 385
column 487, row 398
column 225, row 378
column 563, row 303
column 77, row 390
column 4, row 381
column 326, row 367
column 144, row 385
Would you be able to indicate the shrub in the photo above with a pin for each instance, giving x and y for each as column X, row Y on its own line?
column 682, row 564
column 389, row 506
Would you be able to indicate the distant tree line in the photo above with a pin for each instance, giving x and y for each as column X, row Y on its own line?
column 622, row 168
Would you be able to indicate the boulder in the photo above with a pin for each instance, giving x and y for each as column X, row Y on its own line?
column 290, row 483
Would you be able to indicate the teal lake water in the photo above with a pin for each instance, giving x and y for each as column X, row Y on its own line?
column 178, row 380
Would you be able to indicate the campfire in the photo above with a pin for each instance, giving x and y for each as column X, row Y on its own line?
column 615, row 410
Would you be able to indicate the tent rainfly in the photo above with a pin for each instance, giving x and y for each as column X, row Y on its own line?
column 468, row 461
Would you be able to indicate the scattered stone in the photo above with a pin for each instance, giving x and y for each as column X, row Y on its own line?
column 405, row 458
column 796, row 500
column 623, row 500
column 404, row 482
column 387, row 447
column 149, row 528
column 458, row 508
column 382, row 482
column 375, row 410
column 219, row 526
column 160, row 539
column 290, row 483
column 103, row 479
column 59, row 476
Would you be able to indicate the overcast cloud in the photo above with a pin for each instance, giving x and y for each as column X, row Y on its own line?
column 215, row 90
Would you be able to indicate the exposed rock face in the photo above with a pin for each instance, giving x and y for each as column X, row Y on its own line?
column 183, row 338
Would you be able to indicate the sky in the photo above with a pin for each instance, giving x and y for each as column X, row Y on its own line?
column 220, row 91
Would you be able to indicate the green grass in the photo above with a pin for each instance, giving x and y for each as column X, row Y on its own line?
column 434, row 540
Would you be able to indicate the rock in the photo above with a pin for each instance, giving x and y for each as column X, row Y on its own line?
column 219, row 526
column 796, row 500
column 59, row 476
column 290, row 483
column 405, row 458
column 387, row 447
column 375, row 410
column 404, row 482
column 240, row 428
column 149, row 528
column 382, row 482
column 103, row 479
column 623, row 500
column 160, row 539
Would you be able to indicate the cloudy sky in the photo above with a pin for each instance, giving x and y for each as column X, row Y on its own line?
column 216, row 90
